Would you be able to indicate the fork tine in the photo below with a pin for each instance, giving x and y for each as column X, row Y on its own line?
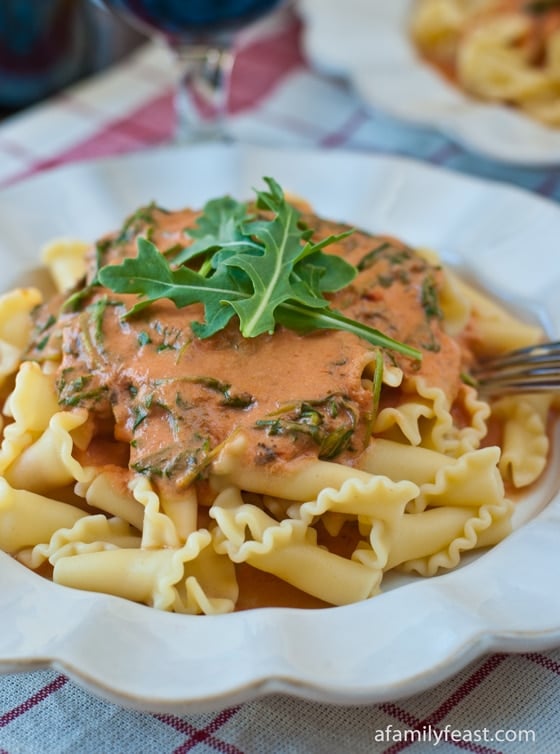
column 530, row 369
column 542, row 352
column 523, row 384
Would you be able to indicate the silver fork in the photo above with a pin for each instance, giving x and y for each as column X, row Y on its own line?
column 531, row 369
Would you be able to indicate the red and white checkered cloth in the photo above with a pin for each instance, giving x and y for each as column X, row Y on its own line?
column 500, row 704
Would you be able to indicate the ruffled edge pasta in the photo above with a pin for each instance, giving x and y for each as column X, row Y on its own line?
column 287, row 549
column 89, row 534
column 166, row 579
column 47, row 462
column 525, row 442
column 425, row 418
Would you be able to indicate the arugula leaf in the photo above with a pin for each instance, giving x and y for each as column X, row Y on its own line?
column 270, row 273
column 296, row 317
column 264, row 269
column 218, row 228
column 325, row 272
column 278, row 274
column 150, row 276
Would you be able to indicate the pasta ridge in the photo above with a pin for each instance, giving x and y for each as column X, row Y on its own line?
column 47, row 462
column 494, row 516
column 471, row 478
column 89, row 534
column 149, row 576
column 288, row 549
column 158, row 529
column 525, row 442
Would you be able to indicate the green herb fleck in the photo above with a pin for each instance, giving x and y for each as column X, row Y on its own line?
column 377, row 383
column 232, row 400
column 329, row 422
column 137, row 221
column 468, row 379
column 385, row 281
column 371, row 257
column 42, row 343
column 144, row 338
column 139, row 414
column 430, row 299
column 97, row 313
column 188, row 463
column 73, row 394
column 50, row 321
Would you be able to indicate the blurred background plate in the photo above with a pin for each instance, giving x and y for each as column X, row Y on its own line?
column 367, row 41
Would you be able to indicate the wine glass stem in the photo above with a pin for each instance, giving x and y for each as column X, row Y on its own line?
column 202, row 97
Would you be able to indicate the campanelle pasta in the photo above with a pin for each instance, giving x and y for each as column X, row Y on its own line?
column 498, row 50
column 212, row 474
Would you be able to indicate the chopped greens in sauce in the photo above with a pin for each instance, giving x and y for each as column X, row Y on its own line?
column 330, row 422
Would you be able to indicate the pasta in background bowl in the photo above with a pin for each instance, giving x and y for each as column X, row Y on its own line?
column 505, row 52
column 240, row 655
column 389, row 73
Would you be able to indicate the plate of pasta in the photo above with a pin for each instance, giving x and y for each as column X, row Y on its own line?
column 243, row 451
column 486, row 73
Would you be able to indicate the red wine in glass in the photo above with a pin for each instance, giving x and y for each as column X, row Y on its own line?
column 188, row 19
column 201, row 33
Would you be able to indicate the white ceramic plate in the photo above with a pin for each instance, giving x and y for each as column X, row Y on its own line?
column 396, row 644
column 368, row 41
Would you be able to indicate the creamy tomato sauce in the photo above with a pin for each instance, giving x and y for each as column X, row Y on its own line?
column 168, row 400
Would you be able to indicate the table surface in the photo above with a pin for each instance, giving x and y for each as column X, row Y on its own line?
column 499, row 704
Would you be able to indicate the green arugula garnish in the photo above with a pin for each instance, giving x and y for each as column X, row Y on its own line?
column 263, row 268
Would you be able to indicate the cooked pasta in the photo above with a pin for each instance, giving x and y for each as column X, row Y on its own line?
column 205, row 472
column 505, row 51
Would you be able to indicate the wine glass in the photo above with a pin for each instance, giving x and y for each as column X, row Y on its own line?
column 201, row 33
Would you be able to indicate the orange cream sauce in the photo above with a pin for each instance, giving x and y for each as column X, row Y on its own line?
column 166, row 400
